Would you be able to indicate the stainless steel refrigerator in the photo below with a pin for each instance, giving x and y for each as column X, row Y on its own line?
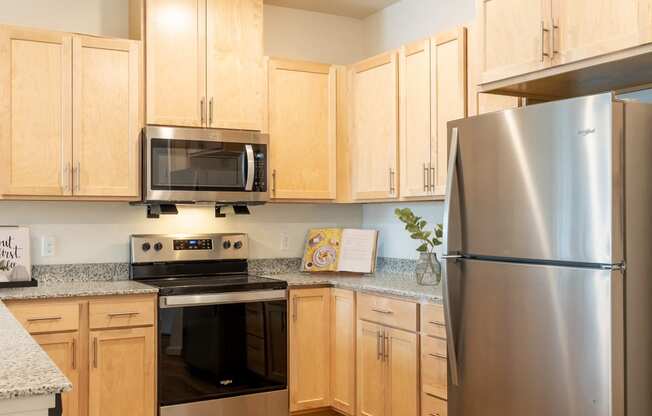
column 548, row 260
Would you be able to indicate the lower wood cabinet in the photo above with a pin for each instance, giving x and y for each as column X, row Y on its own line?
column 371, row 370
column 343, row 351
column 309, row 349
column 106, row 347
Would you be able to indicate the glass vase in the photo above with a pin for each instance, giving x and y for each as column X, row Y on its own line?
column 428, row 269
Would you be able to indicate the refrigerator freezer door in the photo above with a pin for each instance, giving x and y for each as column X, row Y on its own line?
column 536, row 340
column 543, row 182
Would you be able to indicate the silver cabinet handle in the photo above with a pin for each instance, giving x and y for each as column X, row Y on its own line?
column 435, row 355
column 437, row 323
column 74, row 353
column 379, row 353
column 432, row 178
column 544, row 54
column 426, row 179
column 202, row 109
column 554, row 27
column 45, row 318
column 121, row 314
column 78, row 181
column 210, row 112
column 295, row 313
column 386, row 346
column 274, row 182
column 392, row 188
column 383, row 311
column 65, row 178
column 94, row 352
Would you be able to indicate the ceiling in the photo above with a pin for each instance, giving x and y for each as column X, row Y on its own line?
column 358, row 9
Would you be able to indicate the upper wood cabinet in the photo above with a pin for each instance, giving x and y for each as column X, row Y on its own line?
column 374, row 128
column 106, row 117
column 302, row 115
column 309, row 382
column 343, row 351
column 35, row 112
column 205, row 63
column 70, row 115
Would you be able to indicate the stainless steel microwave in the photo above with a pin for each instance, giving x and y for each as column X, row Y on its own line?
column 186, row 165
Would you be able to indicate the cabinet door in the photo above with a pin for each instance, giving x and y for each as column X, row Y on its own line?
column 176, row 62
column 415, row 143
column 516, row 37
column 302, row 114
column 488, row 103
column 371, row 394
column 402, row 373
column 106, row 118
column 235, row 76
column 122, row 378
column 35, row 112
column 343, row 351
column 63, row 351
column 588, row 28
column 309, row 348
column 448, row 98
column 374, row 128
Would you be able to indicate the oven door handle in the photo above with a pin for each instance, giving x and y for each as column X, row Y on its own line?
column 221, row 298
column 249, row 185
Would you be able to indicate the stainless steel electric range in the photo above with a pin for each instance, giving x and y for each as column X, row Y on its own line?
column 222, row 333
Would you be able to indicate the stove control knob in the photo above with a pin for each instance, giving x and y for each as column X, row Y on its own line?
column 226, row 244
column 158, row 246
column 146, row 246
column 237, row 245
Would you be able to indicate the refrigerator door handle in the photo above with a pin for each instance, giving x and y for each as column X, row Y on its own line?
column 450, row 325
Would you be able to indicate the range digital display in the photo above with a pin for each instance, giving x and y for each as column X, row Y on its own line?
column 203, row 244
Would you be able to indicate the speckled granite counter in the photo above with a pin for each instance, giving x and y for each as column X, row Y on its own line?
column 391, row 284
column 25, row 369
column 77, row 288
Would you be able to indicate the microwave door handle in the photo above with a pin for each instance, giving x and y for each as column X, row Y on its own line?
column 249, row 184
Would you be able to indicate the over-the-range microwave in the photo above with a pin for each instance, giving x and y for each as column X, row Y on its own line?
column 192, row 165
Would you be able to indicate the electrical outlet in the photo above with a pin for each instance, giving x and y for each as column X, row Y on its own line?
column 285, row 241
column 48, row 245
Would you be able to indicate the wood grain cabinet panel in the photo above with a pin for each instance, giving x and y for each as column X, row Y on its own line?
column 371, row 370
column 234, row 61
column 402, row 373
column 106, row 107
column 40, row 317
column 302, row 121
column 176, row 62
column 35, row 112
column 374, row 128
column 309, row 349
column 122, row 379
column 343, row 333
column 388, row 311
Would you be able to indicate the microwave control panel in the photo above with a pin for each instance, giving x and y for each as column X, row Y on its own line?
column 260, row 169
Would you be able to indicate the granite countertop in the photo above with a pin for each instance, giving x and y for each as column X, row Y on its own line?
column 25, row 369
column 392, row 284
column 77, row 288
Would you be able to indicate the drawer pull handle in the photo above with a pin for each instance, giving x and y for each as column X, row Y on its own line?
column 45, row 318
column 383, row 311
column 434, row 414
column 438, row 323
column 94, row 352
column 433, row 396
column 122, row 314
column 74, row 353
column 442, row 356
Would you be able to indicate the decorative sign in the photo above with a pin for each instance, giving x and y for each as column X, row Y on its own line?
column 15, row 261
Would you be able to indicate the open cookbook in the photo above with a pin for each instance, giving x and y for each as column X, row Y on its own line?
column 340, row 250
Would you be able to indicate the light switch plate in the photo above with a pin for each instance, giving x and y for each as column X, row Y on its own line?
column 285, row 241
column 48, row 245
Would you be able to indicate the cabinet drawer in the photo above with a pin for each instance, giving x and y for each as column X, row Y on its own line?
column 391, row 312
column 432, row 320
column 121, row 312
column 40, row 317
column 434, row 366
column 432, row 406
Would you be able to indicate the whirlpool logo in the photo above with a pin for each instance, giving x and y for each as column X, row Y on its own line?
column 585, row 132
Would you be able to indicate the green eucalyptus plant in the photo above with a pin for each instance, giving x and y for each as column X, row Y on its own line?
column 416, row 227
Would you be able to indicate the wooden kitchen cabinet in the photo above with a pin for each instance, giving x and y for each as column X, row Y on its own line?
column 371, row 370
column 35, row 112
column 205, row 63
column 342, row 359
column 302, row 115
column 106, row 117
column 71, row 116
column 309, row 382
column 402, row 360
column 122, row 374
column 63, row 350
column 374, row 128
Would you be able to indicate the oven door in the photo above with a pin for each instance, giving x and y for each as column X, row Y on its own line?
column 218, row 346
column 196, row 165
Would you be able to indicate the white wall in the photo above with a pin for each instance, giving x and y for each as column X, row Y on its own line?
column 410, row 20
column 300, row 34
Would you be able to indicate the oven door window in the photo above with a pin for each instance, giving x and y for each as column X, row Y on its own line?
column 193, row 165
column 212, row 352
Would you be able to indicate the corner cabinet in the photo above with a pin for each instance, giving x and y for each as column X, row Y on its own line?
column 205, row 63
column 309, row 382
column 374, row 128
column 302, row 113
column 70, row 116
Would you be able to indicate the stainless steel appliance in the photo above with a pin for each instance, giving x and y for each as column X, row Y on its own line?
column 222, row 333
column 547, row 271
column 184, row 165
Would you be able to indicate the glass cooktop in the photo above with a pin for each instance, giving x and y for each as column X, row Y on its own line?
column 214, row 284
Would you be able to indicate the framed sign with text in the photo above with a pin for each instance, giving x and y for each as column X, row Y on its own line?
column 15, row 261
